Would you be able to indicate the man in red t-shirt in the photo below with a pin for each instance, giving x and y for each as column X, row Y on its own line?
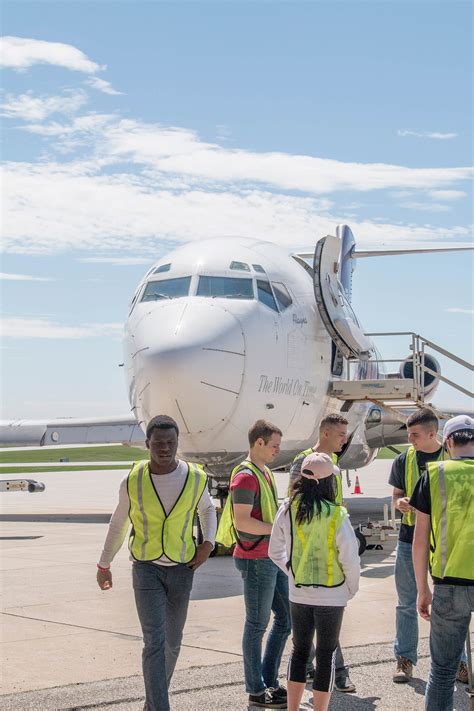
column 254, row 504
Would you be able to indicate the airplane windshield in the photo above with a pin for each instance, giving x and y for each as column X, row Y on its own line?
column 166, row 289
column 225, row 287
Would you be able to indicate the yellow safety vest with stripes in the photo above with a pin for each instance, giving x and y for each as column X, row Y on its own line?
column 452, row 518
column 226, row 532
column 155, row 533
column 314, row 557
column 338, row 477
column 412, row 474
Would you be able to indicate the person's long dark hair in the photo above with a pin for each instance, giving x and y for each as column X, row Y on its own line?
column 312, row 497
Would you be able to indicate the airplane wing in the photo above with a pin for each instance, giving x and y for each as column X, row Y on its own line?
column 102, row 430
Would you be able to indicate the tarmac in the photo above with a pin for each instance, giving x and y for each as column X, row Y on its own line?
column 68, row 645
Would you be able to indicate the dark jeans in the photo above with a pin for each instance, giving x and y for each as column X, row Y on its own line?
column 326, row 621
column 265, row 590
column 450, row 617
column 162, row 597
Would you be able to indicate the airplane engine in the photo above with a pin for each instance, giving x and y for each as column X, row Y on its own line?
column 430, row 381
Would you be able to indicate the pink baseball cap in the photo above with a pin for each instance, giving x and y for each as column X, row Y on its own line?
column 318, row 466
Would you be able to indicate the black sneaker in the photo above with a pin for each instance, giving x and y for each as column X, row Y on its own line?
column 343, row 683
column 269, row 699
column 279, row 694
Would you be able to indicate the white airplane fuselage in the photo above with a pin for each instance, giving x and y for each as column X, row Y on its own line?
column 216, row 362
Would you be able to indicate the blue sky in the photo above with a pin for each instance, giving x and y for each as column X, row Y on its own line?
column 129, row 127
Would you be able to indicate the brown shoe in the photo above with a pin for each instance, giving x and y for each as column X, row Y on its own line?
column 404, row 671
column 462, row 674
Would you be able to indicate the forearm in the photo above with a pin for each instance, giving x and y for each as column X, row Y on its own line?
column 207, row 518
column 420, row 552
column 118, row 527
column 252, row 525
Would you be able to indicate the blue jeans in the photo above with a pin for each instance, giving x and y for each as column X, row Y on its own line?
column 450, row 617
column 265, row 590
column 406, row 638
column 162, row 597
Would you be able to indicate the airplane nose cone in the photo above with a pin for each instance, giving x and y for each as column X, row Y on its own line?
column 193, row 366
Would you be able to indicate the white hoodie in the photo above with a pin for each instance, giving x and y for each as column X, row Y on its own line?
column 348, row 553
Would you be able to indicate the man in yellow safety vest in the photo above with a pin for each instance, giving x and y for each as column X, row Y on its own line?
column 407, row 467
column 444, row 540
column 247, row 521
column 332, row 438
column 160, row 499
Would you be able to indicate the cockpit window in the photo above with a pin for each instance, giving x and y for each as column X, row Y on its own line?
column 258, row 268
column 265, row 294
column 282, row 295
column 166, row 289
column 241, row 266
column 225, row 287
column 162, row 268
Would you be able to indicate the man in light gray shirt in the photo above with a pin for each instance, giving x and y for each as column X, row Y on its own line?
column 160, row 499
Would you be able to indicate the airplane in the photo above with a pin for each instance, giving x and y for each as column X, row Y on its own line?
column 225, row 331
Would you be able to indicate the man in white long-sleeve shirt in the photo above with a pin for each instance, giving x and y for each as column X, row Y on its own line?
column 160, row 499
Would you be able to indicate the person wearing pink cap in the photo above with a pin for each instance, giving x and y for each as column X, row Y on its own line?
column 444, row 540
column 313, row 542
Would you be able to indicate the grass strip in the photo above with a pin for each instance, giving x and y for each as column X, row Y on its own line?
column 75, row 454
column 19, row 472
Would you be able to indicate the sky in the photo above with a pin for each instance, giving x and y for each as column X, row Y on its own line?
column 132, row 127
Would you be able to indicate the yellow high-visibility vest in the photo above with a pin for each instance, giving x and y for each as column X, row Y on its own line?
column 452, row 518
column 314, row 557
column 338, row 477
column 226, row 532
column 412, row 474
column 155, row 533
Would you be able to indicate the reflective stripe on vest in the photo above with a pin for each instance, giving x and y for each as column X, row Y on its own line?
column 412, row 474
column 155, row 533
column 314, row 559
column 226, row 532
column 338, row 477
column 452, row 518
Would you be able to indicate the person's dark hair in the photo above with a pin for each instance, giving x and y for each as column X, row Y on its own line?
column 263, row 429
column 462, row 437
column 332, row 418
column 425, row 417
column 161, row 422
column 312, row 496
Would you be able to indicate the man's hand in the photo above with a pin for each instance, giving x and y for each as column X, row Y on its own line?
column 104, row 578
column 403, row 504
column 203, row 552
column 423, row 603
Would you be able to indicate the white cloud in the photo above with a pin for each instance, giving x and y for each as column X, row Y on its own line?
column 436, row 135
column 136, row 184
column 36, row 108
column 21, row 277
column 447, row 194
column 113, row 212
column 118, row 261
column 180, row 152
column 25, row 328
column 23, row 52
column 104, row 86
column 470, row 312
column 425, row 206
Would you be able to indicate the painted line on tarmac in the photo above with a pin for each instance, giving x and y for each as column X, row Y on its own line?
column 117, row 634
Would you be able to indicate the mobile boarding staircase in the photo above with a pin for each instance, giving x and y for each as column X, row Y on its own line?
column 409, row 388
column 398, row 394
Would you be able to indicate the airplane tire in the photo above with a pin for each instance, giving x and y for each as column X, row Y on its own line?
column 361, row 539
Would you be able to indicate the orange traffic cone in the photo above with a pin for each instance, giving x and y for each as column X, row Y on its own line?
column 357, row 489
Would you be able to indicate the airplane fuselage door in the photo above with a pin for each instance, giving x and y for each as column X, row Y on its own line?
column 333, row 306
